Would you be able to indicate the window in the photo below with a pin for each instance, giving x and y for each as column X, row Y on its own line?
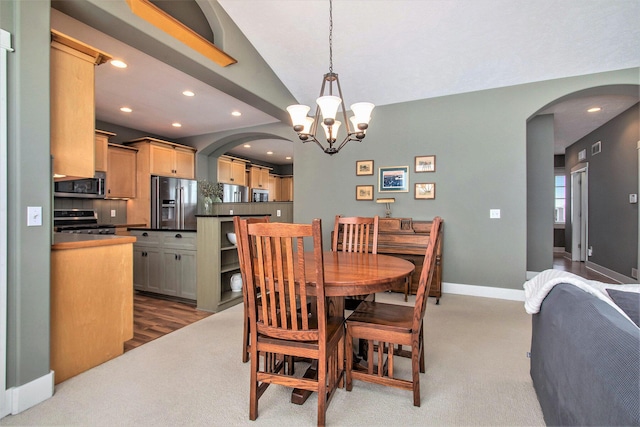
column 560, row 198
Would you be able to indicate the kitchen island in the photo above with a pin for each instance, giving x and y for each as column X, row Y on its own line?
column 91, row 300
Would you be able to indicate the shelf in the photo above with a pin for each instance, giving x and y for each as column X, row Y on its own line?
column 227, row 296
column 230, row 267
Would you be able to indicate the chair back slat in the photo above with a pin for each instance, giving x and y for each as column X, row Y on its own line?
column 428, row 269
column 359, row 234
column 278, row 268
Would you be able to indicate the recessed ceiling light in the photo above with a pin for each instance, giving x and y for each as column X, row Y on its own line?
column 126, row 109
column 247, row 146
column 594, row 109
column 176, row 125
column 118, row 64
column 188, row 93
column 269, row 152
column 288, row 158
column 236, row 113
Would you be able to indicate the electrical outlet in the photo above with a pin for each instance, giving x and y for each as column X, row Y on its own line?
column 278, row 212
column 494, row 213
column 113, row 213
column 590, row 251
column 230, row 211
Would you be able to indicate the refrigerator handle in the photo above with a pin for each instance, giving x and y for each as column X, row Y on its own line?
column 181, row 207
column 156, row 207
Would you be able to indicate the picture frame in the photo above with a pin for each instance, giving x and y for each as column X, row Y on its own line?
column 425, row 191
column 364, row 167
column 393, row 179
column 364, row 192
column 425, row 164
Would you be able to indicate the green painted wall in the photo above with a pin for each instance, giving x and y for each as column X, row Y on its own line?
column 29, row 182
column 480, row 143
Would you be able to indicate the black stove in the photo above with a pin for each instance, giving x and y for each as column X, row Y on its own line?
column 82, row 221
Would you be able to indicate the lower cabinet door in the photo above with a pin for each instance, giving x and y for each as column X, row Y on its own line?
column 154, row 270
column 187, row 284
column 171, row 273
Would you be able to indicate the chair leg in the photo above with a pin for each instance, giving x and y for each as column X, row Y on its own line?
column 253, row 392
column 415, row 375
column 421, row 347
column 322, row 392
column 349, row 357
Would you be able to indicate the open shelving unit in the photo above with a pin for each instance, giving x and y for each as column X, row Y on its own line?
column 217, row 262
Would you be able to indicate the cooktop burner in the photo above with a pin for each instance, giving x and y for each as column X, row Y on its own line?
column 83, row 221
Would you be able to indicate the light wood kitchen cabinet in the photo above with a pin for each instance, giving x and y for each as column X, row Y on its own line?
column 72, row 106
column 121, row 174
column 172, row 161
column 156, row 157
column 259, row 177
column 164, row 262
column 101, row 144
column 286, row 189
column 274, row 188
column 231, row 171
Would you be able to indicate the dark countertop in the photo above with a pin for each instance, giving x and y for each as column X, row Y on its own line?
column 169, row 230
column 229, row 216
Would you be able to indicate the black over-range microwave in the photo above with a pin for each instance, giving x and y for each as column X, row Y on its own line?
column 90, row 188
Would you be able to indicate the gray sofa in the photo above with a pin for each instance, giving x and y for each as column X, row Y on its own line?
column 585, row 361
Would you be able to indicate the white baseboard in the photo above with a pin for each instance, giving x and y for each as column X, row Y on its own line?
column 23, row 397
column 483, row 291
column 610, row 273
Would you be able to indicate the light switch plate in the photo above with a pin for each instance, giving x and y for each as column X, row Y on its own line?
column 34, row 216
column 113, row 213
column 494, row 213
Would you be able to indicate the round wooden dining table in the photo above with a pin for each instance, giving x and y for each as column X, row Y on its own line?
column 352, row 273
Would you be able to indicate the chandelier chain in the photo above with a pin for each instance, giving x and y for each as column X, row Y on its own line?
column 331, row 36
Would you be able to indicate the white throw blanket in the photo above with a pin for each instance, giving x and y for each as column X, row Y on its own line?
column 536, row 289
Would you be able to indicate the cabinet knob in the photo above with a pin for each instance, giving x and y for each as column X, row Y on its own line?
column 178, row 236
column 145, row 234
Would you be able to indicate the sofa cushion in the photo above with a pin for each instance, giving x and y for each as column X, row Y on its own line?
column 629, row 302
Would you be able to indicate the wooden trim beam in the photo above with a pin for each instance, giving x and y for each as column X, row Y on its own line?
column 167, row 23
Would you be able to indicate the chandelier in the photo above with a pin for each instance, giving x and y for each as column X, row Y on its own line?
column 328, row 103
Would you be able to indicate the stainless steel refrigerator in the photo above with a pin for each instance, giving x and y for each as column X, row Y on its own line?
column 174, row 203
column 234, row 193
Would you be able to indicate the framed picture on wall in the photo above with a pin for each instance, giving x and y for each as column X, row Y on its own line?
column 364, row 192
column 393, row 179
column 425, row 164
column 426, row 190
column 364, row 167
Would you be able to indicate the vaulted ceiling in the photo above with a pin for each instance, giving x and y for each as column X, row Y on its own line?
column 388, row 52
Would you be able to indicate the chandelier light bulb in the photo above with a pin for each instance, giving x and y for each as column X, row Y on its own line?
column 362, row 112
column 360, row 133
column 331, row 131
column 329, row 106
column 298, row 115
column 308, row 122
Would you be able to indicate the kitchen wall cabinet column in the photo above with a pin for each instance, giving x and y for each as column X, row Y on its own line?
column 156, row 157
column 72, row 103
column 259, row 177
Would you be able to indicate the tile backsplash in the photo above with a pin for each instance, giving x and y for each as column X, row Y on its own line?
column 102, row 207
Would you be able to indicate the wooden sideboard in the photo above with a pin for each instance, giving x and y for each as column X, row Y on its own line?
column 408, row 239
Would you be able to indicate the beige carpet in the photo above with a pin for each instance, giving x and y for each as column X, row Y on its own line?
column 477, row 373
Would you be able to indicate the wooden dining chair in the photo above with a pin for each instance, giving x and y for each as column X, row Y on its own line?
column 384, row 326
column 355, row 234
column 238, row 223
column 291, row 320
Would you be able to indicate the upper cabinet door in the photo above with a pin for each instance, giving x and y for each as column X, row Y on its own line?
column 72, row 104
column 184, row 163
column 162, row 160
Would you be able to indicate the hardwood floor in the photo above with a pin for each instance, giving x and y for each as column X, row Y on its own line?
column 579, row 269
column 154, row 317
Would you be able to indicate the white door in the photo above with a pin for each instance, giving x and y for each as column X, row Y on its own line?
column 579, row 219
